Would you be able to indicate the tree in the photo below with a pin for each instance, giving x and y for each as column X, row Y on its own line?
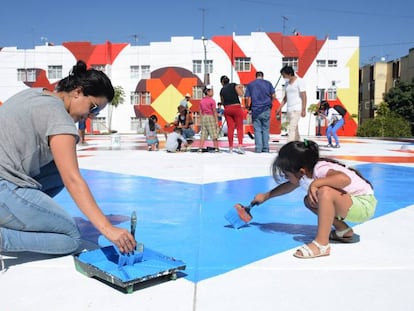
column 400, row 100
column 386, row 124
column 119, row 98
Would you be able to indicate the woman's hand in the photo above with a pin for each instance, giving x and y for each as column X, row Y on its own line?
column 122, row 238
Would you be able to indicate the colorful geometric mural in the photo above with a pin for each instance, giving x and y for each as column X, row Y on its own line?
column 167, row 87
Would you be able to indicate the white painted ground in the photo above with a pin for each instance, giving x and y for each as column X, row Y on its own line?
column 375, row 274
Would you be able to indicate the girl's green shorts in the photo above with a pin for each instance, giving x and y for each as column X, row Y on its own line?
column 362, row 209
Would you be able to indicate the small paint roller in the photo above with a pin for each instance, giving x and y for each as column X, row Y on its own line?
column 239, row 215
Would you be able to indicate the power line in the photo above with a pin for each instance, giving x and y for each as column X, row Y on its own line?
column 324, row 9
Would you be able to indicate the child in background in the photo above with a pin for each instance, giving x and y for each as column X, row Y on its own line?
column 220, row 117
column 208, row 118
column 175, row 140
column 81, row 131
column 335, row 193
column 150, row 131
column 220, row 113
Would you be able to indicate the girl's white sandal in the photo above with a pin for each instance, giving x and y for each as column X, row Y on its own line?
column 305, row 251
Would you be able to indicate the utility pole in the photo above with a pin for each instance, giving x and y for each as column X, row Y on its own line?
column 205, row 41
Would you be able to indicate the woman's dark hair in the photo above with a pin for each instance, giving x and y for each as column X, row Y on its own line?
column 224, row 80
column 293, row 156
column 288, row 70
column 324, row 105
column 93, row 82
column 151, row 122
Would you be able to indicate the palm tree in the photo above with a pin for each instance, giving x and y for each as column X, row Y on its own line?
column 119, row 98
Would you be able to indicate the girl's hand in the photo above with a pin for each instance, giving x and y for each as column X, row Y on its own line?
column 259, row 198
column 313, row 195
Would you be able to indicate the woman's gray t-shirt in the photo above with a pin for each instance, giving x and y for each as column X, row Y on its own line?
column 27, row 120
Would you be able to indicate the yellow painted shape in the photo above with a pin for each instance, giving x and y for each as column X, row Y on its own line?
column 349, row 96
column 167, row 102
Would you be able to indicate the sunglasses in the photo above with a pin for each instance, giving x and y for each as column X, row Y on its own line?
column 94, row 109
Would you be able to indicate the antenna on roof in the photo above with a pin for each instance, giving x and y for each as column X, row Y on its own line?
column 284, row 20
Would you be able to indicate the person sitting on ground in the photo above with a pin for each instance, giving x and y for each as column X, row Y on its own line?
column 175, row 141
column 184, row 121
column 186, row 101
column 150, row 131
column 335, row 193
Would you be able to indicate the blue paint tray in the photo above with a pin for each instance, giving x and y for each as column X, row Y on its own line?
column 102, row 263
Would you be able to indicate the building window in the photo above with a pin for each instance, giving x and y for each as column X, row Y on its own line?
column 99, row 67
column 209, row 66
column 26, row 75
column 134, row 98
column 197, row 92
column 331, row 94
column 134, row 72
column 320, row 63
column 54, row 72
column 21, row 74
column 140, row 98
column 332, row 63
column 242, row 64
column 292, row 62
column 145, row 72
column 197, row 66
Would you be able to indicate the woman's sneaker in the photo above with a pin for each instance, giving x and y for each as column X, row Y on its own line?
column 240, row 150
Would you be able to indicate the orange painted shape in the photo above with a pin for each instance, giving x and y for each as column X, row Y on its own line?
column 232, row 50
column 171, row 76
column 41, row 81
column 155, row 87
column 143, row 111
column 306, row 47
column 185, row 85
column 100, row 54
column 377, row 159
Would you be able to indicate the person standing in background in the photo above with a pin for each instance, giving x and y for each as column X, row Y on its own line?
column 295, row 100
column 209, row 122
column 335, row 122
column 81, row 131
column 233, row 111
column 260, row 94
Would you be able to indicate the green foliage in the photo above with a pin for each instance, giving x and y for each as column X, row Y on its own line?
column 400, row 100
column 119, row 97
column 390, row 125
column 313, row 108
column 394, row 116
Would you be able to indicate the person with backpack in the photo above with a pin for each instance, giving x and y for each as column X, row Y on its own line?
column 335, row 121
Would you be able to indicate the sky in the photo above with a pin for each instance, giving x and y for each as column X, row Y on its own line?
column 385, row 29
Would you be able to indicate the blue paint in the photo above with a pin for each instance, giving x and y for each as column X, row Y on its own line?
column 187, row 221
